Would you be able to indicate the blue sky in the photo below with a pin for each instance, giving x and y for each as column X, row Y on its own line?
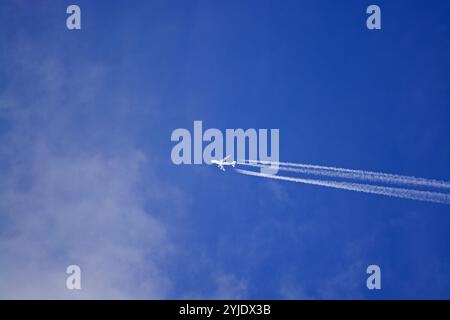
column 86, row 175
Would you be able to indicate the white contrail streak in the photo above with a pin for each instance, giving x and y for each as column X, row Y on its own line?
column 368, row 176
column 386, row 191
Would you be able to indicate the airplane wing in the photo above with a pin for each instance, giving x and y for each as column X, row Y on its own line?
column 226, row 158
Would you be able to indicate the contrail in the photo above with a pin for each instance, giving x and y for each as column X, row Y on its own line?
column 368, row 176
column 437, row 197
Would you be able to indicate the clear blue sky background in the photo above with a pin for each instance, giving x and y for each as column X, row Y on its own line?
column 340, row 94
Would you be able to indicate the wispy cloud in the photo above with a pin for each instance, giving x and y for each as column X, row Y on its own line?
column 69, row 189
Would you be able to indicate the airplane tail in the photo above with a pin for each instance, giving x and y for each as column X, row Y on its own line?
column 233, row 164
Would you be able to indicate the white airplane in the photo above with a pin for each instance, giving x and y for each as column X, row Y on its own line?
column 222, row 163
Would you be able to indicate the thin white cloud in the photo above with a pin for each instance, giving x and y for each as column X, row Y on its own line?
column 70, row 189
column 81, row 211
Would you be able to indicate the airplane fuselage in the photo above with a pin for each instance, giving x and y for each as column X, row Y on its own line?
column 221, row 163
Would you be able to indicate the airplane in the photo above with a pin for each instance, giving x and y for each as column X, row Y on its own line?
column 222, row 163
